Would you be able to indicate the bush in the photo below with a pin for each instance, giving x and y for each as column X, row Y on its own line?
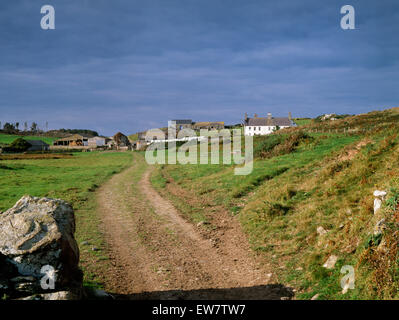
column 18, row 145
column 265, row 144
column 278, row 144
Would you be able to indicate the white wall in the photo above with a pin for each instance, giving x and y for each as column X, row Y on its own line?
column 260, row 130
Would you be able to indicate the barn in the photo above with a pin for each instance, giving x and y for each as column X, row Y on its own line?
column 98, row 142
column 38, row 145
column 73, row 140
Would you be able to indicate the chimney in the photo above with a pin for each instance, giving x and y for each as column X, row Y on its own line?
column 255, row 115
column 246, row 117
column 269, row 116
column 289, row 116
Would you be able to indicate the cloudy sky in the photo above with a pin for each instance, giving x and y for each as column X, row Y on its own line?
column 132, row 65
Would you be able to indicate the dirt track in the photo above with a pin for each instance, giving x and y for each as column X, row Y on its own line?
column 157, row 254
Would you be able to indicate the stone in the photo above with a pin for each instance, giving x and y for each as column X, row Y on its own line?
column 26, row 287
column 201, row 223
column 315, row 297
column 379, row 194
column 321, row 231
column 39, row 232
column 379, row 227
column 377, row 205
column 23, row 279
column 379, row 197
column 330, row 263
column 60, row 295
column 3, row 285
column 101, row 294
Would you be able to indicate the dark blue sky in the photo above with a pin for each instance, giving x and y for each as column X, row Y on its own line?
column 132, row 65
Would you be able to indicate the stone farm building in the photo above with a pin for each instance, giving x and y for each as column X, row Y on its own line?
column 181, row 124
column 38, row 145
column 98, row 142
column 263, row 126
column 218, row 125
column 75, row 140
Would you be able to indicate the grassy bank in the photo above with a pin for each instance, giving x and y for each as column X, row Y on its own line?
column 327, row 180
column 73, row 179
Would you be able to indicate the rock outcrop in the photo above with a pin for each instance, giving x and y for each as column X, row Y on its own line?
column 379, row 197
column 38, row 252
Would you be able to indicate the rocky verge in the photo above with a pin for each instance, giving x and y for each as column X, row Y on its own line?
column 39, row 256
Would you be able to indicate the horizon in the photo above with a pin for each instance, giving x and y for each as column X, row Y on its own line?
column 131, row 67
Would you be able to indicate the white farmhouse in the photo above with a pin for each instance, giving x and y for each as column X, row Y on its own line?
column 263, row 126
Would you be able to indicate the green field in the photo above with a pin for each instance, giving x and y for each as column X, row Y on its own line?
column 327, row 180
column 302, row 121
column 8, row 138
column 72, row 179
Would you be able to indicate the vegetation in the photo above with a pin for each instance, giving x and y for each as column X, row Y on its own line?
column 324, row 176
column 84, row 132
column 302, row 121
column 18, row 145
column 334, row 116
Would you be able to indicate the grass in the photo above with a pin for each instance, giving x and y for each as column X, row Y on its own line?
column 326, row 181
column 302, row 121
column 74, row 180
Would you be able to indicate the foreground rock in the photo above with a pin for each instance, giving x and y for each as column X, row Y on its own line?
column 38, row 251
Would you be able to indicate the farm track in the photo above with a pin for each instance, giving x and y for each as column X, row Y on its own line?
column 156, row 254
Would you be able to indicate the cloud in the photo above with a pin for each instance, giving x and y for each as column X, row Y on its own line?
column 126, row 66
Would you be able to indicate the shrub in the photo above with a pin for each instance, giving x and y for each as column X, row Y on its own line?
column 278, row 144
column 18, row 145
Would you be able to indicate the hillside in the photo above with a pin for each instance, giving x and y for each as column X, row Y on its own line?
column 321, row 174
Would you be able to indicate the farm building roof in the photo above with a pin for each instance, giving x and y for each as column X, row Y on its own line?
column 73, row 137
column 184, row 121
column 37, row 143
column 207, row 123
column 282, row 122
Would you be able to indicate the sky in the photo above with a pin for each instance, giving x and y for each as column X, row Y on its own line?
column 133, row 65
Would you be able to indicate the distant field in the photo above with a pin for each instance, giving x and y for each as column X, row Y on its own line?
column 302, row 121
column 8, row 138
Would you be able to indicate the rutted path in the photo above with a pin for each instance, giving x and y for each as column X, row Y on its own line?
column 157, row 254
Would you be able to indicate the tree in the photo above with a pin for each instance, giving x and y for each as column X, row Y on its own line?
column 18, row 145
column 33, row 127
column 9, row 127
column 17, row 126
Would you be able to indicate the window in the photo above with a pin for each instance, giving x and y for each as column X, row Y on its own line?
column 259, row 128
